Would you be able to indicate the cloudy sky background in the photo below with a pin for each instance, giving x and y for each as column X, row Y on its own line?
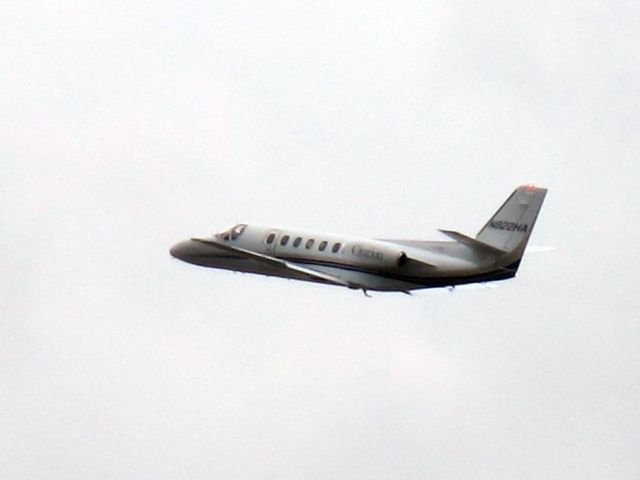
column 126, row 127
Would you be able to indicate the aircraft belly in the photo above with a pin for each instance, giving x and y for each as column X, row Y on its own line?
column 367, row 280
column 448, row 272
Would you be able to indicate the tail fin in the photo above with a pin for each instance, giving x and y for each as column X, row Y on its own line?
column 510, row 227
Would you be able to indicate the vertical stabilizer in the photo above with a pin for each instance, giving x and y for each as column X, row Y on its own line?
column 510, row 227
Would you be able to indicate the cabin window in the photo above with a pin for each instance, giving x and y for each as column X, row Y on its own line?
column 297, row 241
column 284, row 240
column 271, row 238
column 309, row 243
column 322, row 246
column 336, row 247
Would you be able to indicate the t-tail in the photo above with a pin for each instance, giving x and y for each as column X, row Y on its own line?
column 510, row 227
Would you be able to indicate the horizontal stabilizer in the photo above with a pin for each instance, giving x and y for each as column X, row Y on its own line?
column 472, row 243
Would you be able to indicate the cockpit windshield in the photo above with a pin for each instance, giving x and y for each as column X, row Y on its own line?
column 233, row 233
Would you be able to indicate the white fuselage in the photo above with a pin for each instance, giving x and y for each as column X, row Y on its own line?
column 378, row 264
column 372, row 264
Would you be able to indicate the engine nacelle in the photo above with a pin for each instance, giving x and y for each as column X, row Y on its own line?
column 377, row 255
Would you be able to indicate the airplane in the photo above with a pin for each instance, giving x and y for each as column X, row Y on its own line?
column 376, row 264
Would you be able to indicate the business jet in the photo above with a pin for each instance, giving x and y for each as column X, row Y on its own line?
column 376, row 264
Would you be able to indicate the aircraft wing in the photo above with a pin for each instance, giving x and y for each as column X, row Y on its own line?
column 282, row 265
column 472, row 243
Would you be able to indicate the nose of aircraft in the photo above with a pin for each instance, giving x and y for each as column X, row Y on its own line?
column 182, row 250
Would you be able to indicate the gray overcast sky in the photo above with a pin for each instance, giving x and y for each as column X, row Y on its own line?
column 127, row 126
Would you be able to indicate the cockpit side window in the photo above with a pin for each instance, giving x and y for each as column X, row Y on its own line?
column 233, row 233
column 237, row 230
